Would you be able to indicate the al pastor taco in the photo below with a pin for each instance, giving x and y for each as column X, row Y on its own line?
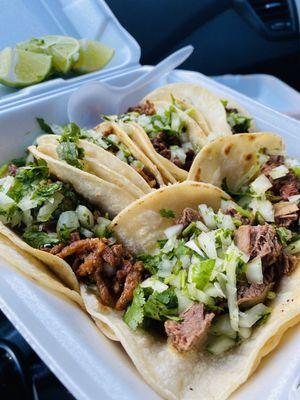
column 216, row 290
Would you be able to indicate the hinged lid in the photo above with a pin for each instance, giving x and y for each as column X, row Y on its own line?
column 91, row 19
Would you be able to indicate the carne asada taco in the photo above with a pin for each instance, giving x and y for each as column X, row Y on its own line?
column 236, row 158
column 214, row 293
column 167, row 135
column 217, row 117
column 109, row 154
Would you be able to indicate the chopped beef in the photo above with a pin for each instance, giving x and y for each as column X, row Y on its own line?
column 249, row 295
column 12, row 169
column 273, row 162
column 149, row 177
column 111, row 268
column 191, row 332
column 188, row 215
column 146, row 108
column 288, row 185
column 288, row 263
column 55, row 249
column 234, row 213
column 286, row 213
column 162, row 142
column 259, row 241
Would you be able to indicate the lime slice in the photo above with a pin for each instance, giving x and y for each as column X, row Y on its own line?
column 93, row 56
column 19, row 68
column 64, row 51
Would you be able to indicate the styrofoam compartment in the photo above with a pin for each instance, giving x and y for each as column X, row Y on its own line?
column 87, row 363
column 266, row 89
column 90, row 19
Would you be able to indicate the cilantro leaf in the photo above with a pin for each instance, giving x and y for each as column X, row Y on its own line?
column 167, row 213
column 160, row 306
column 38, row 239
column 44, row 126
column 46, row 190
column 134, row 314
column 201, row 272
column 69, row 152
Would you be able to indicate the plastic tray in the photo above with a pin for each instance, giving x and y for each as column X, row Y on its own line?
column 88, row 364
column 266, row 89
column 91, row 19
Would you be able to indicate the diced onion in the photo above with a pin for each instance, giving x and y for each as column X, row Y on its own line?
column 220, row 344
column 254, row 271
column 250, row 317
column 178, row 153
column 295, row 198
column 173, row 230
column 227, row 205
column 261, row 184
column 245, row 333
column 85, row 216
column 225, row 221
column 293, row 248
column 183, row 301
column 27, row 203
column 264, row 207
column 5, row 201
column 222, row 326
column 191, row 244
column 201, row 226
column 49, row 207
column 6, row 183
column 279, row 172
column 208, row 216
column 175, row 122
column 154, row 284
column 69, row 220
column 208, row 244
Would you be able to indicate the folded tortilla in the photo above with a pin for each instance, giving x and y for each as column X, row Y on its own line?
column 170, row 171
column 192, row 375
column 203, row 105
column 231, row 157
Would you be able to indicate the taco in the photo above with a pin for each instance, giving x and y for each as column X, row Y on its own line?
column 109, row 154
column 167, row 135
column 217, row 290
column 217, row 117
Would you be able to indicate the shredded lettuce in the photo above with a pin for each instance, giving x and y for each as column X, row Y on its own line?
column 200, row 273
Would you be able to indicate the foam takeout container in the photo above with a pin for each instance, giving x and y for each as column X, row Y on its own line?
column 88, row 364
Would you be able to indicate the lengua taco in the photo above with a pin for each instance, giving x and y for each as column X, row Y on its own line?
column 105, row 151
column 166, row 134
column 217, row 117
column 215, row 294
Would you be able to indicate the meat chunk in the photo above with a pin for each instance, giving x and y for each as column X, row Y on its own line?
column 234, row 213
column 273, row 162
column 146, row 108
column 288, row 263
column 192, row 332
column 288, row 185
column 252, row 294
column 132, row 280
column 259, row 241
column 286, row 213
column 188, row 215
column 149, row 177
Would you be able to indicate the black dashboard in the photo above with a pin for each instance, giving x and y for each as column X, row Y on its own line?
column 229, row 36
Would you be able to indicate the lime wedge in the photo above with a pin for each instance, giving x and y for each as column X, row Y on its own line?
column 64, row 51
column 93, row 56
column 19, row 68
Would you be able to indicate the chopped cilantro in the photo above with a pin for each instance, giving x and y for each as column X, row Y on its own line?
column 38, row 239
column 134, row 314
column 44, row 126
column 167, row 213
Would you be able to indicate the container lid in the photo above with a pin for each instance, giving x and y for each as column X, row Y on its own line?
column 91, row 19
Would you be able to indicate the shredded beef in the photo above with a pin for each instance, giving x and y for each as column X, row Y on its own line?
column 111, row 268
column 192, row 331
column 286, row 213
column 273, row 162
column 251, row 294
column 74, row 236
column 146, row 108
column 234, row 213
column 259, row 241
column 288, row 185
column 188, row 215
column 288, row 263
column 162, row 142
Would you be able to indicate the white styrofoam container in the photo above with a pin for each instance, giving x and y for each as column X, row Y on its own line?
column 90, row 19
column 266, row 89
column 88, row 364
